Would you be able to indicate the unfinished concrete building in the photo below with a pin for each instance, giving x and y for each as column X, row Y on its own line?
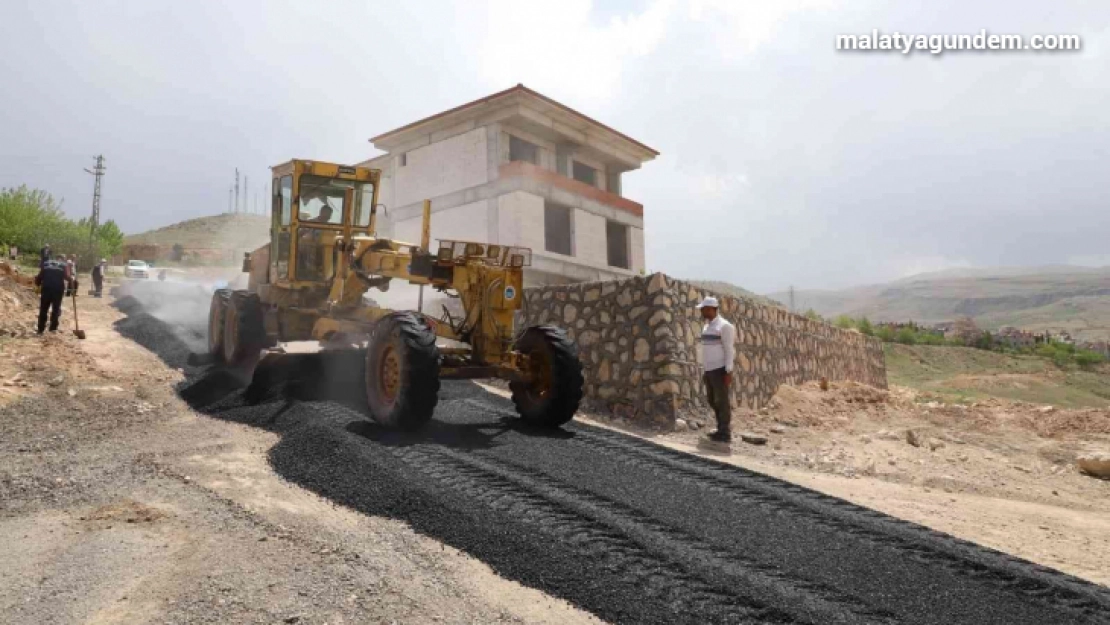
column 518, row 168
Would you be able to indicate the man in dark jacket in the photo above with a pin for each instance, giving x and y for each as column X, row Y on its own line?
column 53, row 279
column 98, row 277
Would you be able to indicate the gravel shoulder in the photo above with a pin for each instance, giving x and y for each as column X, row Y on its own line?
column 119, row 504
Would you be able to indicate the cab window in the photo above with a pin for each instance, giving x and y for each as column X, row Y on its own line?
column 364, row 204
column 286, row 197
column 321, row 200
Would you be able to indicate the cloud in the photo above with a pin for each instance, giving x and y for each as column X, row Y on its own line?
column 783, row 161
column 558, row 46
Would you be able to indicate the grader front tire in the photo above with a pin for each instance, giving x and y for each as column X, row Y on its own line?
column 551, row 395
column 402, row 372
column 243, row 334
column 217, row 311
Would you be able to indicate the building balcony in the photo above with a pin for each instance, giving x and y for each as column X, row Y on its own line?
column 520, row 169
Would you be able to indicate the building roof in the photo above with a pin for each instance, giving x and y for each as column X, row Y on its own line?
column 518, row 89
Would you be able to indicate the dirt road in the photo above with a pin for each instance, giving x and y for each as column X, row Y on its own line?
column 128, row 506
column 119, row 504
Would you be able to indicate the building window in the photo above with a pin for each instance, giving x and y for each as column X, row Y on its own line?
column 521, row 150
column 613, row 183
column 616, row 238
column 585, row 173
column 556, row 229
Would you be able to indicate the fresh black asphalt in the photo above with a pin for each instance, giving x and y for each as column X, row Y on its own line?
column 630, row 531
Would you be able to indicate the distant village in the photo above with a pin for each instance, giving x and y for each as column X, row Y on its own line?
column 965, row 329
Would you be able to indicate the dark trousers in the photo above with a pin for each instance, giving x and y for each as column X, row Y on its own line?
column 50, row 300
column 717, row 392
column 98, row 284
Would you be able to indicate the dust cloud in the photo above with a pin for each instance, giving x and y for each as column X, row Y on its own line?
column 180, row 302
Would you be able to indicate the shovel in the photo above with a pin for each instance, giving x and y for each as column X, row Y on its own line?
column 77, row 331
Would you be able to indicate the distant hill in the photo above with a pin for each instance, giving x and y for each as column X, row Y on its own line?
column 731, row 290
column 1056, row 297
column 228, row 231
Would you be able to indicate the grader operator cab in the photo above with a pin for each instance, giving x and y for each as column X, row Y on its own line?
column 308, row 284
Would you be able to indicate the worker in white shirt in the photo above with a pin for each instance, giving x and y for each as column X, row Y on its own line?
column 718, row 351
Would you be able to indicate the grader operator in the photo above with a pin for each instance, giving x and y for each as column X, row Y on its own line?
column 308, row 284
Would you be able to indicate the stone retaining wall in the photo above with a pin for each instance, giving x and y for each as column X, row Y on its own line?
column 637, row 339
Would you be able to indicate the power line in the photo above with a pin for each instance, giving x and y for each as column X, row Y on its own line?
column 98, row 172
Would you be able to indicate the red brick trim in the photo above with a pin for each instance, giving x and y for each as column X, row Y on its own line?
column 528, row 170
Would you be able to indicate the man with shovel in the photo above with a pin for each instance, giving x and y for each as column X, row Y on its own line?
column 98, row 277
column 53, row 279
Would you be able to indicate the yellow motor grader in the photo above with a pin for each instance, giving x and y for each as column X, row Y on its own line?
column 324, row 255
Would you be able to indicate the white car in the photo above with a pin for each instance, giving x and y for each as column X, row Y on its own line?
column 136, row 269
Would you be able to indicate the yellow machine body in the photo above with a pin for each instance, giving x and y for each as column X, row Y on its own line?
column 324, row 256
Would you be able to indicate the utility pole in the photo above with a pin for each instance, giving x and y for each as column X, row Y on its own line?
column 792, row 308
column 230, row 196
column 98, row 172
column 246, row 195
column 236, row 189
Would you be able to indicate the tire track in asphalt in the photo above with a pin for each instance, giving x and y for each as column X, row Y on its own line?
column 591, row 534
column 1083, row 599
column 757, row 583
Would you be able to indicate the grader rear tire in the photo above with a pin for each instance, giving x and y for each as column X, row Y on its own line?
column 243, row 333
column 552, row 396
column 217, row 311
column 402, row 372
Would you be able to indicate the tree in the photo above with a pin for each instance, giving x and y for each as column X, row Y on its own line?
column 110, row 237
column 844, row 322
column 178, row 252
column 1086, row 358
column 813, row 316
column 885, row 334
column 865, row 327
column 31, row 218
column 929, row 338
column 906, row 336
column 983, row 341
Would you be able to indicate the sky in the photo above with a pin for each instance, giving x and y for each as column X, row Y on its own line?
column 783, row 161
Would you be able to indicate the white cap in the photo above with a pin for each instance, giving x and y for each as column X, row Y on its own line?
column 709, row 302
